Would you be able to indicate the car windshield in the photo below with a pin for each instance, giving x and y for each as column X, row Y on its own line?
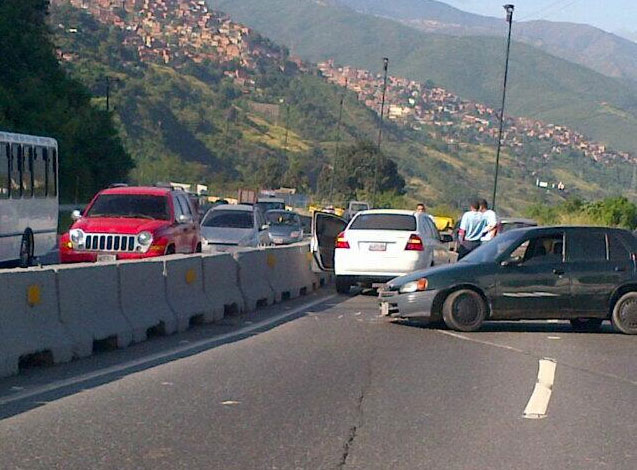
column 141, row 206
column 359, row 207
column 270, row 205
column 491, row 250
column 228, row 219
column 384, row 222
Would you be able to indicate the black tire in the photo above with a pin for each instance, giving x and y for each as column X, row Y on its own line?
column 586, row 324
column 624, row 317
column 342, row 285
column 26, row 250
column 198, row 248
column 464, row 310
column 170, row 250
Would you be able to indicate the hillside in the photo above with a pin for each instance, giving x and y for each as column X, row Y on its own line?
column 37, row 97
column 582, row 44
column 541, row 85
column 223, row 124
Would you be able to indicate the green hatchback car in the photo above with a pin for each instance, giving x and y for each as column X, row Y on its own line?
column 582, row 274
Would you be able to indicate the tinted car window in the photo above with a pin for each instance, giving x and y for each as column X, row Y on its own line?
column 586, row 246
column 617, row 250
column 130, row 205
column 282, row 218
column 228, row 219
column 384, row 222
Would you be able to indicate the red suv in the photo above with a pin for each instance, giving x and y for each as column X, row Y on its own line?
column 130, row 223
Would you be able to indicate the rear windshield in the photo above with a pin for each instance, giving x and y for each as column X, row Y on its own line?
column 142, row 206
column 228, row 219
column 270, row 205
column 384, row 222
column 282, row 218
column 359, row 207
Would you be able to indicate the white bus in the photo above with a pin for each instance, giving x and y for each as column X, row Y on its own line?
column 28, row 197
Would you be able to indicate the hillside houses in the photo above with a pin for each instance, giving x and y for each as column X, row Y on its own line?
column 414, row 104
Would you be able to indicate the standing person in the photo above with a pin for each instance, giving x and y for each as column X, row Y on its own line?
column 471, row 227
column 422, row 209
column 491, row 221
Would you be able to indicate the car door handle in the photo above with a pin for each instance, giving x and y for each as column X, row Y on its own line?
column 559, row 272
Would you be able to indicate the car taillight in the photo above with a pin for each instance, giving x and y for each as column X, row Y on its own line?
column 414, row 243
column 341, row 242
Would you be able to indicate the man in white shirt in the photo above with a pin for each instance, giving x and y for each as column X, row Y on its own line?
column 472, row 227
column 491, row 221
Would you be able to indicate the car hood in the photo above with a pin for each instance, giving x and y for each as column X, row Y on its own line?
column 118, row 225
column 440, row 277
column 225, row 234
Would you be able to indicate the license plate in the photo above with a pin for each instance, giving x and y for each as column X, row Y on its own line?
column 377, row 247
column 104, row 258
column 384, row 309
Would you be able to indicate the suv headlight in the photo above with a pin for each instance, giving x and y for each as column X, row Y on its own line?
column 145, row 238
column 77, row 236
column 414, row 286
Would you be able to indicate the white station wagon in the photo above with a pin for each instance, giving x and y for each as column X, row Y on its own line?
column 376, row 246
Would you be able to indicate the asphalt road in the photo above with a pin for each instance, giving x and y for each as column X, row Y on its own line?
column 328, row 387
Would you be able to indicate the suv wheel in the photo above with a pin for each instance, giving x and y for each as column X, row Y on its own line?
column 624, row 316
column 586, row 324
column 342, row 285
column 464, row 310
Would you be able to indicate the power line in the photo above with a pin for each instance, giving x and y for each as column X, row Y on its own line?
column 546, row 11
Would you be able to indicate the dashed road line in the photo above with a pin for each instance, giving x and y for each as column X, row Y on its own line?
column 538, row 404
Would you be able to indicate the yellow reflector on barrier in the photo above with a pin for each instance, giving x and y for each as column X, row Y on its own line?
column 191, row 276
column 34, row 295
column 271, row 260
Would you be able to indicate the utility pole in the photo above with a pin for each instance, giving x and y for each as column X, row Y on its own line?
column 287, row 127
column 108, row 80
column 338, row 142
column 380, row 129
column 509, row 10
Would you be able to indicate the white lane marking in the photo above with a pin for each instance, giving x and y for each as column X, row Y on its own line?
column 553, row 337
column 158, row 356
column 473, row 340
column 230, row 403
column 539, row 401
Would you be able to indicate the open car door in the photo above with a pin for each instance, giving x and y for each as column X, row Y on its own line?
column 325, row 229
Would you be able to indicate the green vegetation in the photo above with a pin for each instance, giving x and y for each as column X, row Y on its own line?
column 541, row 85
column 614, row 212
column 36, row 97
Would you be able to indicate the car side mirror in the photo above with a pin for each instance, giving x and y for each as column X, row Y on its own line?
column 184, row 219
column 264, row 227
column 446, row 238
column 76, row 214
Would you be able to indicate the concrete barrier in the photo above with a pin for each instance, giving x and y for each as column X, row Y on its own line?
column 253, row 278
column 221, row 284
column 185, row 291
column 143, row 296
column 303, row 265
column 282, row 275
column 90, row 307
column 29, row 320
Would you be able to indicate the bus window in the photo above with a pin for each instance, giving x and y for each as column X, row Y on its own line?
column 16, row 171
column 52, row 173
column 39, row 172
column 27, row 171
column 4, row 170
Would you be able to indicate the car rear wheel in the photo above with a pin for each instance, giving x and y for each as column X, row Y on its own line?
column 342, row 285
column 464, row 310
column 170, row 250
column 586, row 324
column 624, row 316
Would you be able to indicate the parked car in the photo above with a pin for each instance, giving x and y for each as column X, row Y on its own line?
column 270, row 203
column 285, row 227
column 132, row 222
column 354, row 207
column 230, row 226
column 509, row 223
column 376, row 246
column 583, row 274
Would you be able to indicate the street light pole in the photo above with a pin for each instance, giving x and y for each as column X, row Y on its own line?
column 338, row 142
column 509, row 10
column 108, row 80
column 380, row 128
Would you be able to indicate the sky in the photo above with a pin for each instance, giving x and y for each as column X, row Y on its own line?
column 610, row 15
